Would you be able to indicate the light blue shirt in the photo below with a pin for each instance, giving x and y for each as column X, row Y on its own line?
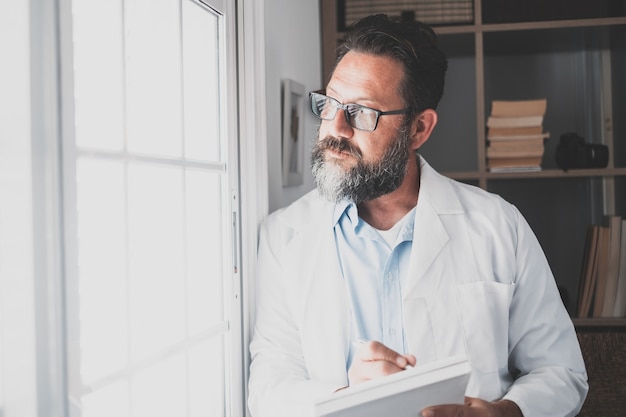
column 374, row 273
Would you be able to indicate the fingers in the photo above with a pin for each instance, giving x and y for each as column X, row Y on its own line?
column 411, row 359
column 473, row 407
column 447, row 410
column 373, row 359
column 375, row 351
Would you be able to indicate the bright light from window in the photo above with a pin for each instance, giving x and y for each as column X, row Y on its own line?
column 157, row 274
column 152, row 227
column 102, row 252
column 200, row 72
column 98, row 76
column 153, row 77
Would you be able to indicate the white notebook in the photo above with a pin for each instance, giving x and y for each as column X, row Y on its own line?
column 403, row 394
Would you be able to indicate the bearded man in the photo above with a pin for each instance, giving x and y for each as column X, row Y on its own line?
column 388, row 251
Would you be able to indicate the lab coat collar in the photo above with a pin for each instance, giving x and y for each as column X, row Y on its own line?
column 436, row 198
column 437, row 190
column 309, row 212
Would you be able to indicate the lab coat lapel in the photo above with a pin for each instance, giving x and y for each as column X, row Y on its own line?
column 429, row 238
column 437, row 204
column 436, row 200
column 325, row 313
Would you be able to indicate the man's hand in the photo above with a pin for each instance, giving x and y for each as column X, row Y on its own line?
column 475, row 407
column 373, row 359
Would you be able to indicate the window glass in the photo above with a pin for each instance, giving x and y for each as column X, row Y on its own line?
column 153, row 77
column 202, row 115
column 148, row 222
column 98, row 77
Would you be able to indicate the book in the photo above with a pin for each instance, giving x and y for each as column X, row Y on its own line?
column 600, row 271
column 539, row 138
column 508, row 108
column 614, row 224
column 514, row 131
column 587, row 276
column 517, row 145
column 514, row 162
column 521, row 121
column 403, row 394
column 619, row 309
column 513, row 153
column 515, row 169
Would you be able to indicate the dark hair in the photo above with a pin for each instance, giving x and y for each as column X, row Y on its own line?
column 414, row 45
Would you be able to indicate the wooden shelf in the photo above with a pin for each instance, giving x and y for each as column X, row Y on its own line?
column 510, row 27
column 548, row 173
column 609, row 323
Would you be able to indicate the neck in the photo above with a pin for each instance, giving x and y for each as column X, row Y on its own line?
column 385, row 211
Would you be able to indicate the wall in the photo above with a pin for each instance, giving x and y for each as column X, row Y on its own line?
column 293, row 50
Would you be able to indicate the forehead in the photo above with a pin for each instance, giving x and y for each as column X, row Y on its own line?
column 364, row 77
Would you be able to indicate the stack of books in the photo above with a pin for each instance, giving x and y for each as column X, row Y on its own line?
column 515, row 136
column 602, row 290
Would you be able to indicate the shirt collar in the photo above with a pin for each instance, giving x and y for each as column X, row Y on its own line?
column 406, row 233
column 346, row 208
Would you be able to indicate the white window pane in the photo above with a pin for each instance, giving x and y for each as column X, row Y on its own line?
column 152, row 234
column 160, row 391
column 153, row 77
column 102, row 267
column 202, row 83
column 98, row 74
column 112, row 400
column 157, row 273
column 204, row 250
column 206, row 379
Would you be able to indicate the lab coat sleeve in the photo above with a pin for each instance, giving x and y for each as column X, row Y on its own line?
column 545, row 354
column 279, row 384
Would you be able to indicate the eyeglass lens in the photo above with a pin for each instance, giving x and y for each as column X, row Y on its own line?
column 357, row 116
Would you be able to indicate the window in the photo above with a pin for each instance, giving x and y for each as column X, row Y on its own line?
column 150, row 202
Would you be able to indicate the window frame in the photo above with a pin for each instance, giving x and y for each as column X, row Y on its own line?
column 47, row 28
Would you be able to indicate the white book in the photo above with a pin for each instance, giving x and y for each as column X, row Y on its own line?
column 403, row 394
column 529, row 168
column 522, row 121
column 509, row 108
column 543, row 136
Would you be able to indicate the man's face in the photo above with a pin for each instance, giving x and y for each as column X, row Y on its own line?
column 360, row 165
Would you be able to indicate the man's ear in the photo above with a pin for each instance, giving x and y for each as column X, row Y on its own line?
column 422, row 127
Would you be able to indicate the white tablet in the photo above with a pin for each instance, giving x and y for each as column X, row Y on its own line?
column 403, row 394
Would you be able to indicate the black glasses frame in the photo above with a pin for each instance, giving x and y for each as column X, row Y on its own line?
column 313, row 98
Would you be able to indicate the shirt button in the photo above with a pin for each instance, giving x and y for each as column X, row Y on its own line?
column 390, row 277
column 392, row 331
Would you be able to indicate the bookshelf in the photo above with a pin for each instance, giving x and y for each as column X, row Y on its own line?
column 574, row 54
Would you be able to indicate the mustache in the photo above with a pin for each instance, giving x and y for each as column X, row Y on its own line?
column 340, row 145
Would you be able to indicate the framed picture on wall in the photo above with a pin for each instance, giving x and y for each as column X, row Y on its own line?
column 293, row 133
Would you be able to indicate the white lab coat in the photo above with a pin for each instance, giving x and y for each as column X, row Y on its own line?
column 479, row 285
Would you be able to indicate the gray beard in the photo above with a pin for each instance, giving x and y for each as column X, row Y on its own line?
column 366, row 180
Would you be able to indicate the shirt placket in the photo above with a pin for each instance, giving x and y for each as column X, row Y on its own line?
column 391, row 304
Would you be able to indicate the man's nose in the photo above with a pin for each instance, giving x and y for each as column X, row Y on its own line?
column 339, row 126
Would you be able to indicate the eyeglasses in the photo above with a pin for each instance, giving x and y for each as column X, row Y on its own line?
column 357, row 116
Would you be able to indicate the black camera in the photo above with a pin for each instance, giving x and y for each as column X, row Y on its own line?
column 573, row 152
